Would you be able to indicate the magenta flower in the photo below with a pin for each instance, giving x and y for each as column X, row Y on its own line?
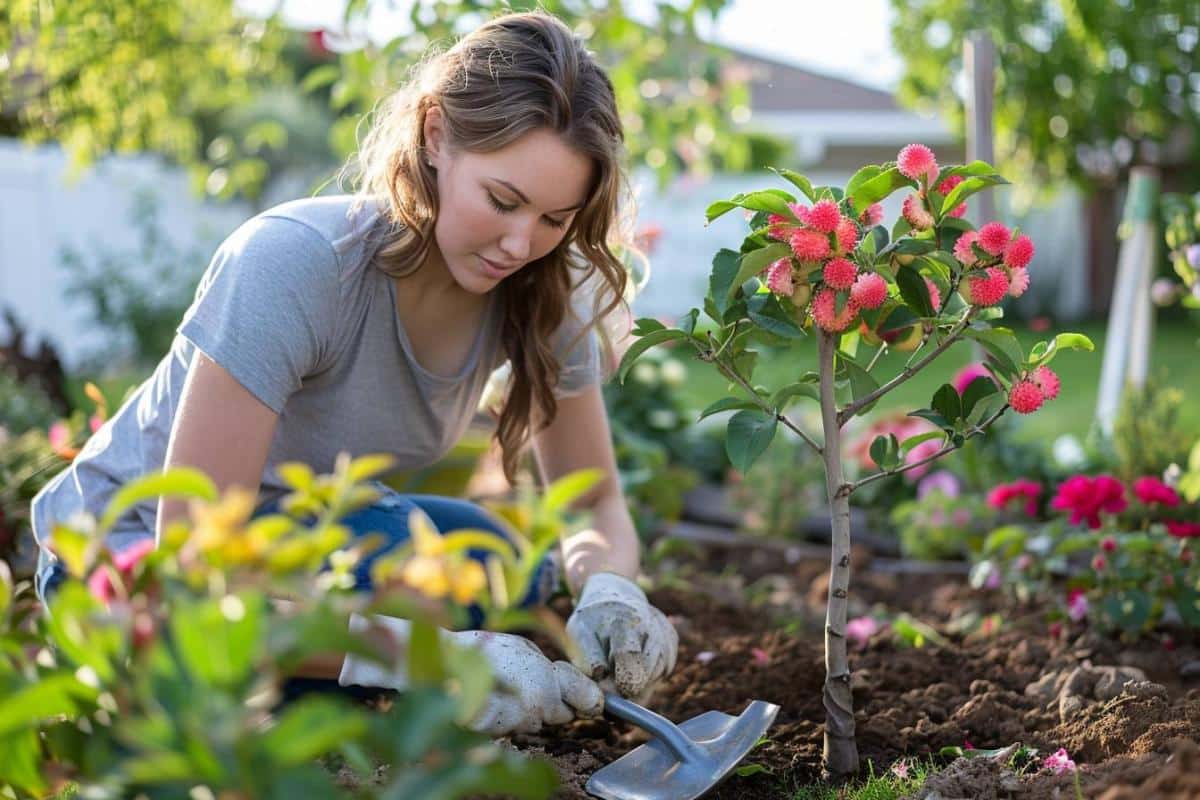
column 1151, row 491
column 1077, row 605
column 1183, row 530
column 1085, row 498
column 100, row 582
column 1002, row 496
column 1059, row 762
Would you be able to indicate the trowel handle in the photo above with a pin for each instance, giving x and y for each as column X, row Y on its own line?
column 659, row 726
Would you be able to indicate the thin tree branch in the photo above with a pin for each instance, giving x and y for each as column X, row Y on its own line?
column 733, row 375
column 857, row 405
column 850, row 488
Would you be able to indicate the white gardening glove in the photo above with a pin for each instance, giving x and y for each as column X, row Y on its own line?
column 621, row 636
column 530, row 690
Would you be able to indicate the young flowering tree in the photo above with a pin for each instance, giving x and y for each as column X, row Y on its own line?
column 823, row 266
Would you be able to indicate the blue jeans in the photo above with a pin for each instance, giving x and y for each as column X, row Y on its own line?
column 388, row 516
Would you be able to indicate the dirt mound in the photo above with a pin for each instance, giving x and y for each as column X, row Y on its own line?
column 913, row 702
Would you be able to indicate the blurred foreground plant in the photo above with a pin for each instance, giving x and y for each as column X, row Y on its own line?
column 158, row 671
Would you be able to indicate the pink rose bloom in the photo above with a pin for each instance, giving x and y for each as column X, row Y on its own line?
column 1151, row 491
column 963, row 378
column 1021, row 490
column 1183, row 530
column 1085, row 498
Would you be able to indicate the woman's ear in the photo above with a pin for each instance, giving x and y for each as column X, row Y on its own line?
column 434, row 131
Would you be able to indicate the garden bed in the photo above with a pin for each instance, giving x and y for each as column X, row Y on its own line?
column 972, row 690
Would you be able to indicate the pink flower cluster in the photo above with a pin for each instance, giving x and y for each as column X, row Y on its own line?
column 1087, row 497
column 822, row 236
column 1059, row 762
column 1003, row 271
column 1029, row 393
column 1151, row 491
column 1020, row 491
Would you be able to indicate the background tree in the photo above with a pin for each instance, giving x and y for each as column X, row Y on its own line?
column 1085, row 90
column 239, row 99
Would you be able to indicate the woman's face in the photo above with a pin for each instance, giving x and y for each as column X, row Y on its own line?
column 498, row 211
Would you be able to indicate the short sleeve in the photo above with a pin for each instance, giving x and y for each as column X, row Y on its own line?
column 579, row 360
column 265, row 307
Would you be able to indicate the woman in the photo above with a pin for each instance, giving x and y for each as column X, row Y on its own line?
column 488, row 188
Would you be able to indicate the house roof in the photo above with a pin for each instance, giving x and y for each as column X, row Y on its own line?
column 776, row 86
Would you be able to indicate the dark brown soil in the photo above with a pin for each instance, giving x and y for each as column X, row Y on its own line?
column 909, row 702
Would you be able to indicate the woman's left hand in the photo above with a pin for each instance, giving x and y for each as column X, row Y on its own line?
column 621, row 636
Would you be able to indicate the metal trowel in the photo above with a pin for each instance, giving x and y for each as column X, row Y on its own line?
column 683, row 761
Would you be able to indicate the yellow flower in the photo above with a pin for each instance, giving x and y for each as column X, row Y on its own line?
column 426, row 574
column 467, row 580
column 220, row 525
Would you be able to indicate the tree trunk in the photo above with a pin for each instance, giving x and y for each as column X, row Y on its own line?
column 840, row 757
column 1101, row 247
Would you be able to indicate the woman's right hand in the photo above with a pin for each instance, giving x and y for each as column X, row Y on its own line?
column 531, row 691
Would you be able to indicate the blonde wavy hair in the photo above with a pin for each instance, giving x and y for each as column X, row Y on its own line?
column 517, row 73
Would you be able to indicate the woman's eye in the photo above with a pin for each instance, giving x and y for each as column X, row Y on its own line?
column 556, row 223
column 496, row 204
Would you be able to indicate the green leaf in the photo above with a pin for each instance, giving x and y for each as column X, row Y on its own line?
column 947, row 403
column 799, row 389
column 1006, row 542
column 642, row 344
column 718, row 209
column 646, row 325
column 180, row 482
column 969, row 187
column 862, row 383
column 569, row 488
column 914, row 291
column 768, row 311
column 799, row 181
column 219, row 640
column 687, row 323
column 722, row 278
column 368, row 466
column 976, row 390
column 1041, row 353
column 878, row 187
column 1187, row 602
column 932, row 416
column 859, row 178
column 880, row 446
column 1001, row 344
column 747, row 437
column 310, row 727
column 726, row 404
column 913, row 441
column 756, row 261
column 50, row 696
column 1129, row 610
column 320, row 76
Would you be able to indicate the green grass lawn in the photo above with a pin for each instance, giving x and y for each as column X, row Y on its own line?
column 1176, row 356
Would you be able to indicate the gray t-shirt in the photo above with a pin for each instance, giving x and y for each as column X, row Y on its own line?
column 293, row 306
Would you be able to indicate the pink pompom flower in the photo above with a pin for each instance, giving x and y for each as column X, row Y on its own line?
column 1025, row 397
column 962, row 248
column 872, row 216
column 1047, row 380
column 916, row 214
column 779, row 277
column 993, row 237
column 824, row 311
column 809, row 245
column 1018, row 281
column 869, row 291
column 986, row 288
column 1059, row 762
column 839, row 273
column 847, row 235
column 824, row 216
column 916, row 161
column 1019, row 252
